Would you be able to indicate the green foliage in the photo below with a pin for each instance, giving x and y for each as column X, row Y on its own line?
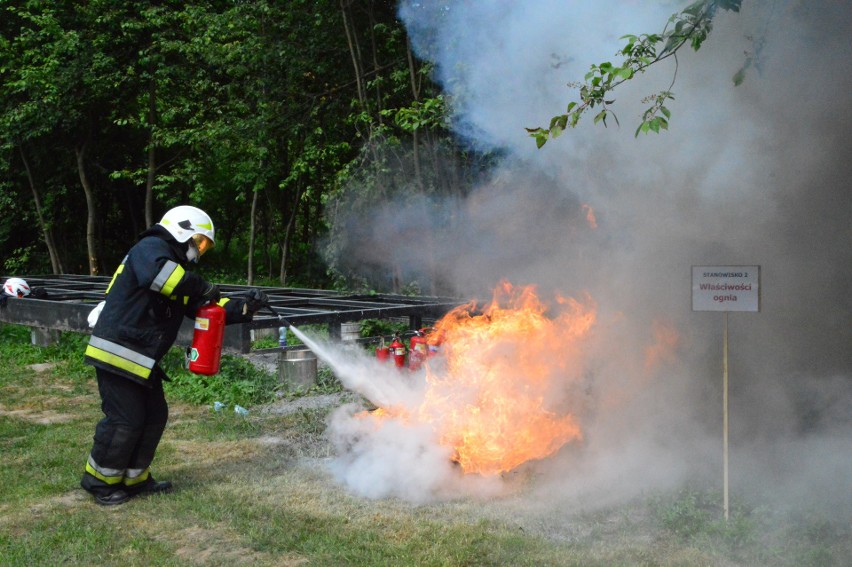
column 651, row 119
column 237, row 383
column 264, row 343
column 696, row 516
column 751, row 535
column 15, row 339
column 210, row 104
column 690, row 27
column 381, row 327
column 430, row 113
column 326, row 383
column 66, row 353
column 18, row 260
column 689, row 513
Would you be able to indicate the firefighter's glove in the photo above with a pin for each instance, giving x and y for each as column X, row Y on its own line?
column 211, row 294
column 256, row 300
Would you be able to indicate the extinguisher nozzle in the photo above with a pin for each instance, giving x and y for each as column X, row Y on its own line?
column 284, row 322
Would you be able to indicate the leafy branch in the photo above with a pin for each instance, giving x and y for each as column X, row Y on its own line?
column 690, row 27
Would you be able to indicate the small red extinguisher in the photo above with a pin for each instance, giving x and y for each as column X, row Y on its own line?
column 397, row 350
column 206, row 350
column 418, row 351
column 382, row 352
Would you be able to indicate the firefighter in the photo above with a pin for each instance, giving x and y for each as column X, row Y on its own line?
column 149, row 295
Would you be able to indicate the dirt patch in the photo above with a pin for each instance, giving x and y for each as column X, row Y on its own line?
column 284, row 407
column 268, row 362
column 43, row 367
column 210, row 454
column 46, row 417
column 205, row 545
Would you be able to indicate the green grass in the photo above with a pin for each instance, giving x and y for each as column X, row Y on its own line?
column 251, row 490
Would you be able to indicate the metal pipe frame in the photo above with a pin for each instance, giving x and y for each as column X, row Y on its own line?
column 69, row 299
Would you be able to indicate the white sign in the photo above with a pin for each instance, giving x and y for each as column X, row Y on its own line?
column 726, row 288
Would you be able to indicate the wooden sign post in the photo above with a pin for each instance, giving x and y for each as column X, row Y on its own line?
column 726, row 289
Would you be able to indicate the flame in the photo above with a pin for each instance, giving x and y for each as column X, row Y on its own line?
column 590, row 216
column 666, row 342
column 489, row 396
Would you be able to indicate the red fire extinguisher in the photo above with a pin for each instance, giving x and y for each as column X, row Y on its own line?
column 206, row 350
column 418, row 350
column 433, row 340
column 382, row 352
column 397, row 349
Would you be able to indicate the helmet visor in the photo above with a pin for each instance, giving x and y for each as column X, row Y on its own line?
column 202, row 243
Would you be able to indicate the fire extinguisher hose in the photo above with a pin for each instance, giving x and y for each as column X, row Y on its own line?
column 284, row 322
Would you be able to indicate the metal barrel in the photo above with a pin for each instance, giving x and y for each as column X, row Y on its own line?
column 350, row 331
column 297, row 368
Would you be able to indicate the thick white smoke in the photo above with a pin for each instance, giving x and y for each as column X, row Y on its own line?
column 753, row 174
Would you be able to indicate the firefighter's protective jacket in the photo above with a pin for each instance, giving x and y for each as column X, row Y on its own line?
column 146, row 301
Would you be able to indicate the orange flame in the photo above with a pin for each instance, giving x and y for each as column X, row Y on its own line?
column 490, row 395
column 666, row 342
column 590, row 216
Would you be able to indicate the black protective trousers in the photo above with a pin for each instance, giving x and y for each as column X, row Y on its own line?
column 127, row 437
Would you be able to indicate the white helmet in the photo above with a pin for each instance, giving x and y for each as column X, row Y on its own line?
column 16, row 287
column 187, row 222
column 184, row 221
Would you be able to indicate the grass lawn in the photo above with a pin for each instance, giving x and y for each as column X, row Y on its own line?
column 254, row 490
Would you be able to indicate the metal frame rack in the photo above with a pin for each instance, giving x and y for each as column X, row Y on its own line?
column 69, row 298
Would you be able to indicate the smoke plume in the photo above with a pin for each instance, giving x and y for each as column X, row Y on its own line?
column 755, row 174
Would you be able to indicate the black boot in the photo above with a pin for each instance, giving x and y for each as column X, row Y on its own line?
column 152, row 486
column 113, row 498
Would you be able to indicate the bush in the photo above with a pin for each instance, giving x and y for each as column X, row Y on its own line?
column 689, row 514
column 381, row 328
column 237, row 383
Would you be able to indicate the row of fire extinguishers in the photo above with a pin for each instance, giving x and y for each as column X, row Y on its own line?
column 422, row 345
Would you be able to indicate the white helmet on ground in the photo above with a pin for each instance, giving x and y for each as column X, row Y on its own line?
column 186, row 223
column 16, row 287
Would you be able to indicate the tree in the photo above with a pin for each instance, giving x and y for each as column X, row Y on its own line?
column 690, row 27
column 255, row 111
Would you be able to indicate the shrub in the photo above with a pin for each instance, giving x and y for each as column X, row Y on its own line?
column 238, row 382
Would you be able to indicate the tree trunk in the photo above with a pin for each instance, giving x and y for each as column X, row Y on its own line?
column 415, row 94
column 355, row 53
column 376, row 66
column 152, row 158
column 285, row 243
column 252, row 230
column 90, row 209
column 55, row 262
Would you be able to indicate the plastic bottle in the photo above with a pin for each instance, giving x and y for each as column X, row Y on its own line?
column 282, row 336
